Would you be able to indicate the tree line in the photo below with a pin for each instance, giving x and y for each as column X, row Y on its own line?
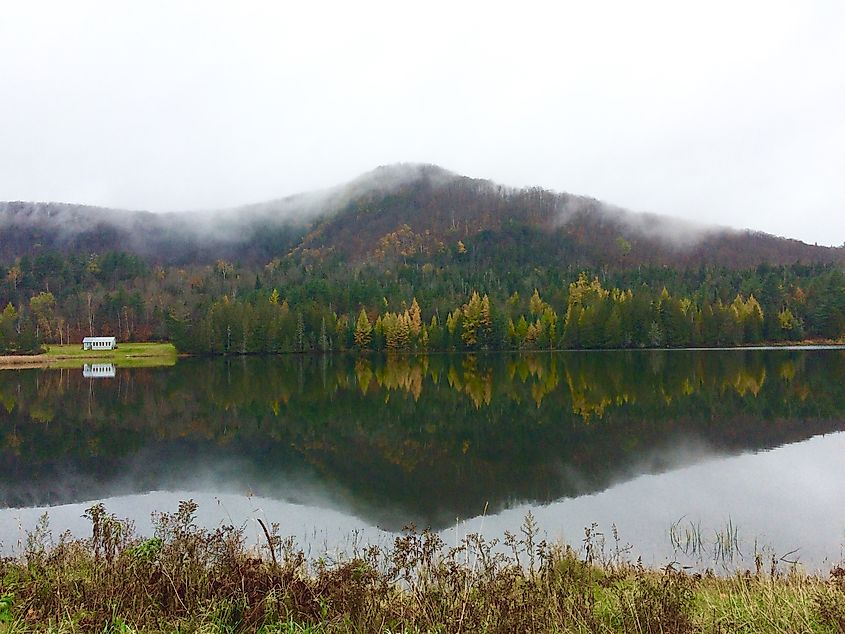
column 303, row 304
column 593, row 317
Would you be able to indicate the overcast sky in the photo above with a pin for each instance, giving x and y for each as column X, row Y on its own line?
column 721, row 111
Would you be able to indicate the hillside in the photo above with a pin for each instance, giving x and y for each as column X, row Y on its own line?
column 428, row 213
column 183, row 238
column 407, row 211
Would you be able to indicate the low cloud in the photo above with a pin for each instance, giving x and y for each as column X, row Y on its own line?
column 673, row 232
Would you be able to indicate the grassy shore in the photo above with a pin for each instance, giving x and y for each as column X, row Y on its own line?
column 73, row 356
column 165, row 354
column 188, row 579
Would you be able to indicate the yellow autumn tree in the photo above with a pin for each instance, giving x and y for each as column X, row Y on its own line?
column 415, row 318
column 477, row 323
column 363, row 330
column 536, row 304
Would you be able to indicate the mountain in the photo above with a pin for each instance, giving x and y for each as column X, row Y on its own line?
column 183, row 238
column 402, row 211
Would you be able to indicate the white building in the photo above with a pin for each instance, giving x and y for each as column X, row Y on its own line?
column 99, row 343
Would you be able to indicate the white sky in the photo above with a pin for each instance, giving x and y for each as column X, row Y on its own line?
column 726, row 112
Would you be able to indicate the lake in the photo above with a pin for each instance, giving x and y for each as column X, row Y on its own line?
column 700, row 457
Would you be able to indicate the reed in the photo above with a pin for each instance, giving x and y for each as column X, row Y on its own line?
column 186, row 578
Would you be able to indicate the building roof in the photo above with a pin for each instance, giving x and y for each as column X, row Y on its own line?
column 98, row 339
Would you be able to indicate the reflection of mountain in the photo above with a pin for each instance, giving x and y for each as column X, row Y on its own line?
column 403, row 438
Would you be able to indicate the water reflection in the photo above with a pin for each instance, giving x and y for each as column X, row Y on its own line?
column 98, row 371
column 785, row 501
column 398, row 439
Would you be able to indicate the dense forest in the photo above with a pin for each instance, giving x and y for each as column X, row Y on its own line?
column 295, row 306
column 407, row 259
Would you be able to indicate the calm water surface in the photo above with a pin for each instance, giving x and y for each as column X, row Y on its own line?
column 744, row 445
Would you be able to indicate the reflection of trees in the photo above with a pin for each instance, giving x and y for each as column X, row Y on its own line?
column 198, row 394
column 473, row 380
column 472, row 428
column 402, row 372
column 364, row 374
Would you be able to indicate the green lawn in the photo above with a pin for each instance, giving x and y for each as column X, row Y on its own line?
column 126, row 355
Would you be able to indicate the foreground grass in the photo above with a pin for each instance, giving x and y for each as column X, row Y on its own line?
column 188, row 579
column 126, row 355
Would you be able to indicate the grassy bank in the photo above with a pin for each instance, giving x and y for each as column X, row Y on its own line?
column 73, row 356
column 188, row 579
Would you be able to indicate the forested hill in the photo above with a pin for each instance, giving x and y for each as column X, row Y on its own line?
column 407, row 258
column 400, row 212
column 29, row 229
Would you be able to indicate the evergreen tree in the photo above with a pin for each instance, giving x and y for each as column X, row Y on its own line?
column 363, row 330
column 323, row 341
column 536, row 304
column 299, row 337
column 613, row 335
column 415, row 318
column 655, row 335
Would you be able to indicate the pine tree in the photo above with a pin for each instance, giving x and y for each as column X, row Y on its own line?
column 299, row 337
column 436, row 335
column 549, row 320
column 415, row 318
column 535, row 305
column 378, row 341
column 486, row 321
column 521, row 331
column 788, row 323
column 589, row 328
column 613, row 336
column 363, row 330
column 753, row 324
column 8, row 322
column 471, row 322
column 323, row 341
column 453, row 323
column 403, row 331
column 531, row 334
column 655, row 335
column 571, row 334
column 390, row 326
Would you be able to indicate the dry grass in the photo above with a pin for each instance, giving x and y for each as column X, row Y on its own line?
column 189, row 579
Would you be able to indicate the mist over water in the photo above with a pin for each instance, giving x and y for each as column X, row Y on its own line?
column 336, row 446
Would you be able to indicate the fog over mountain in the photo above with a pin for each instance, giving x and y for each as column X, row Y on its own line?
column 416, row 207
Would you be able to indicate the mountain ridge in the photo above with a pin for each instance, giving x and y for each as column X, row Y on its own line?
column 403, row 210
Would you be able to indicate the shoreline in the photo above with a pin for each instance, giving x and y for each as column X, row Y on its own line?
column 166, row 355
column 71, row 355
